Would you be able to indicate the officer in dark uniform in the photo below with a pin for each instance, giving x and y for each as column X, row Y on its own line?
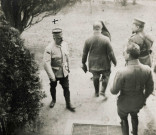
column 144, row 41
column 56, row 65
column 135, row 84
column 100, row 54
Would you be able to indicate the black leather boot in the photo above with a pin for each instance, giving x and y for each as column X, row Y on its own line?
column 104, row 86
column 125, row 127
column 53, row 93
column 70, row 107
column 52, row 104
column 134, row 125
column 67, row 99
column 96, row 86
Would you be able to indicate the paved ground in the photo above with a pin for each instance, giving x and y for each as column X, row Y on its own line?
column 77, row 25
column 57, row 121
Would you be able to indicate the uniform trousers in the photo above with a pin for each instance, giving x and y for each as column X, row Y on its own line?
column 65, row 85
column 124, row 121
column 105, row 77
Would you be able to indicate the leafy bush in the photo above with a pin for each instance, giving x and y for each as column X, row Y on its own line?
column 20, row 94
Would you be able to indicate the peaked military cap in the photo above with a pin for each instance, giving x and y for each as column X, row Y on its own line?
column 139, row 22
column 56, row 31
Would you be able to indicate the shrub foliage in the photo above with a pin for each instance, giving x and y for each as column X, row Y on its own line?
column 20, row 94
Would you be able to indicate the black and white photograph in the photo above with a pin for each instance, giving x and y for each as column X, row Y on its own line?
column 77, row 67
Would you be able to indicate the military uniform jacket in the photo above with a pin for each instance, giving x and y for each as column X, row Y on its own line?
column 145, row 45
column 100, row 53
column 135, row 84
column 56, row 61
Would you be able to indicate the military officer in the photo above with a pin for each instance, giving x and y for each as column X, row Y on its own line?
column 135, row 84
column 143, row 40
column 56, row 65
column 100, row 54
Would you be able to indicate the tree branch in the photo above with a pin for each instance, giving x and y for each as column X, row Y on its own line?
column 22, row 14
column 39, row 20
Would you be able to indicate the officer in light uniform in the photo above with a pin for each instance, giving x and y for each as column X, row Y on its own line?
column 56, row 65
column 143, row 40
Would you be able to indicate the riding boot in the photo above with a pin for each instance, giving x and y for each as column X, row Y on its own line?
column 125, row 127
column 69, row 106
column 96, row 86
column 134, row 125
column 104, row 86
column 52, row 104
column 53, row 93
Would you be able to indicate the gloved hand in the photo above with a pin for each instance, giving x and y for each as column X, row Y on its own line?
column 84, row 68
